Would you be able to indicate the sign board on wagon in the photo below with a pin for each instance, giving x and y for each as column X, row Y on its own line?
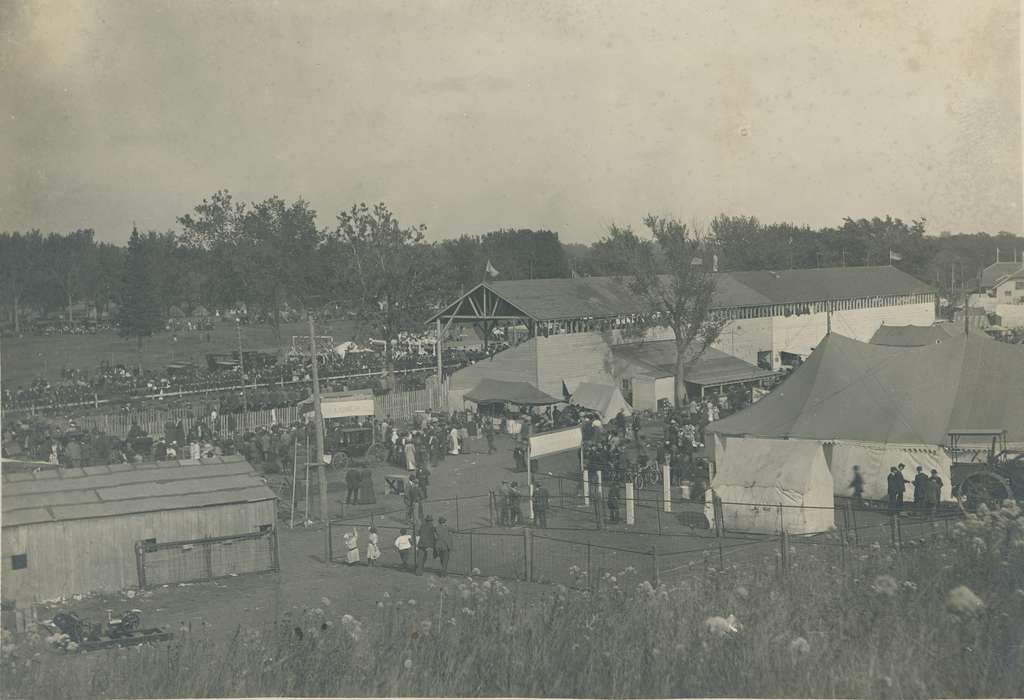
column 552, row 442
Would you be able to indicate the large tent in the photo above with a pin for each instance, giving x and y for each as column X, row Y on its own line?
column 876, row 406
column 766, row 485
column 519, row 393
column 606, row 400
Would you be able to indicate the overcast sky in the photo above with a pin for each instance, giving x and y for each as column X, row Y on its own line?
column 470, row 117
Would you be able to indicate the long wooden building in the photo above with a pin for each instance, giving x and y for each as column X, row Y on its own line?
column 576, row 328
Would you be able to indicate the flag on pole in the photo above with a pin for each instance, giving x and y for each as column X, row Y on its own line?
column 894, row 257
column 490, row 270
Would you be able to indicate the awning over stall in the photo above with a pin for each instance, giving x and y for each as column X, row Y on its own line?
column 519, row 393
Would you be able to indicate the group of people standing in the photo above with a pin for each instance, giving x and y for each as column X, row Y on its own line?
column 927, row 489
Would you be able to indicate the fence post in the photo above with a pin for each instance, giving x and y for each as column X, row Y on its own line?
column 899, row 533
column 666, row 487
column 856, row 530
column 457, row 525
column 655, row 573
column 586, row 487
column 490, row 508
column 209, row 560
column 597, row 514
column 140, row 563
column 470, row 572
column 276, row 551
column 527, row 556
column 590, row 571
column 630, row 504
column 658, row 511
column 842, row 545
column 784, row 542
column 892, row 529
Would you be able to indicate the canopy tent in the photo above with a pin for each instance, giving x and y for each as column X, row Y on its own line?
column 606, row 400
column 519, row 393
column 766, row 485
column 876, row 406
column 713, row 368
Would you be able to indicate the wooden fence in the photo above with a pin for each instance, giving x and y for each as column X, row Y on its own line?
column 400, row 405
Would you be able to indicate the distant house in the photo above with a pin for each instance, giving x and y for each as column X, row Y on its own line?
column 1009, row 289
column 995, row 272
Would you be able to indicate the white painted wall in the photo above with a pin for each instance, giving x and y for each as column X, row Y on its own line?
column 799, row 334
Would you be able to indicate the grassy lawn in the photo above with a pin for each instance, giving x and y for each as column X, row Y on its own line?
column 25, row 359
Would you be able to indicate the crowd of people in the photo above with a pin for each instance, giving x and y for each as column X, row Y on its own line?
column 271, row 384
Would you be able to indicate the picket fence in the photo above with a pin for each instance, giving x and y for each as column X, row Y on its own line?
column 400, row 405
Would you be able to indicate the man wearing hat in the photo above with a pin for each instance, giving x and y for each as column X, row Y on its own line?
column 443, row 543
column 426, row 541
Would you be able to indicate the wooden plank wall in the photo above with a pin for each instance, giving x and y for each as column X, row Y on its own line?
column 82, row 556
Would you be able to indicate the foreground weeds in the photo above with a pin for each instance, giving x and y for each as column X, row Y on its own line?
column 942, row 618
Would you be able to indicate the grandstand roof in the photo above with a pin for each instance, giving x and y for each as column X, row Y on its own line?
column 56, row 495
column 608, row 297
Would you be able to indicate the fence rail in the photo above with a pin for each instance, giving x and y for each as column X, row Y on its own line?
column 400, row 405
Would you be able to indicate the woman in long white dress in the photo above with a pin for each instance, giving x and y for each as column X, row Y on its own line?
column 453, row 442
column 352, row 545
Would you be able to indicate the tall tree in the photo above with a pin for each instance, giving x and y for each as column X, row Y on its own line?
column 21, row 265
column 682, row 297
column 390, row 276
column 267, row 251
column 139, row 315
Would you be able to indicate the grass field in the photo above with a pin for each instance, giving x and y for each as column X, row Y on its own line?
column 24, row 359
column 937, row 620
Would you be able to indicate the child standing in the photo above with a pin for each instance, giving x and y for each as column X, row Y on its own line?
column 372, row 548
column 352, row 545
column 403, row 543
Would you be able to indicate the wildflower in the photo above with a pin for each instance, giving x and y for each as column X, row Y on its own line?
column 799, row 646
column 325, row 601
column 885, row 585
column 962, row 600
column 72, row 646
column 407, row 664
column 412, row 602
column 978, row 545
column 645, row 588
column 386, row 594
column 347, row 619
column 721, row 626
column 910, row 585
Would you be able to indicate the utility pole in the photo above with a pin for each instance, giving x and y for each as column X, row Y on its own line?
column 241, row 363
column 319, row 418
column 828, row 319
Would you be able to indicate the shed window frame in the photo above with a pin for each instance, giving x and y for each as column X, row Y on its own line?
column 19, row 561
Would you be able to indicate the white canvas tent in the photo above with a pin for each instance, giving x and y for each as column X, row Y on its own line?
column 606, row 400
column 766, row 485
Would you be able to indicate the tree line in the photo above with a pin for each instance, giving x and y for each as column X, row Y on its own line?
column 273, row 255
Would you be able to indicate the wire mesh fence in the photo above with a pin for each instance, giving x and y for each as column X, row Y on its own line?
column 205, row 559
column 583, row 545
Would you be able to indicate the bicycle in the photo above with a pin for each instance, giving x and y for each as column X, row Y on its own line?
column 648, row 475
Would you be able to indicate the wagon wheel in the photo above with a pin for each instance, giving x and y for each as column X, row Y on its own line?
column 377, row 453
column 130, row 620
column 980, row 488
column 69, row 625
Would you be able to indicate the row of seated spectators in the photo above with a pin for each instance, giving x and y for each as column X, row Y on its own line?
column 120, row 383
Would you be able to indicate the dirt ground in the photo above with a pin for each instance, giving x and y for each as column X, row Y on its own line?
column 305, row 580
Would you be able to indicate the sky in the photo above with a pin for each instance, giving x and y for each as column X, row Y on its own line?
column 471, row 116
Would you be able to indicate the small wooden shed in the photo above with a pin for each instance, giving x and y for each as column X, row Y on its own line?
column 108, row 528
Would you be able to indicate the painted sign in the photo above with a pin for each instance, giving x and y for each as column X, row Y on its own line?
column 552, row 442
